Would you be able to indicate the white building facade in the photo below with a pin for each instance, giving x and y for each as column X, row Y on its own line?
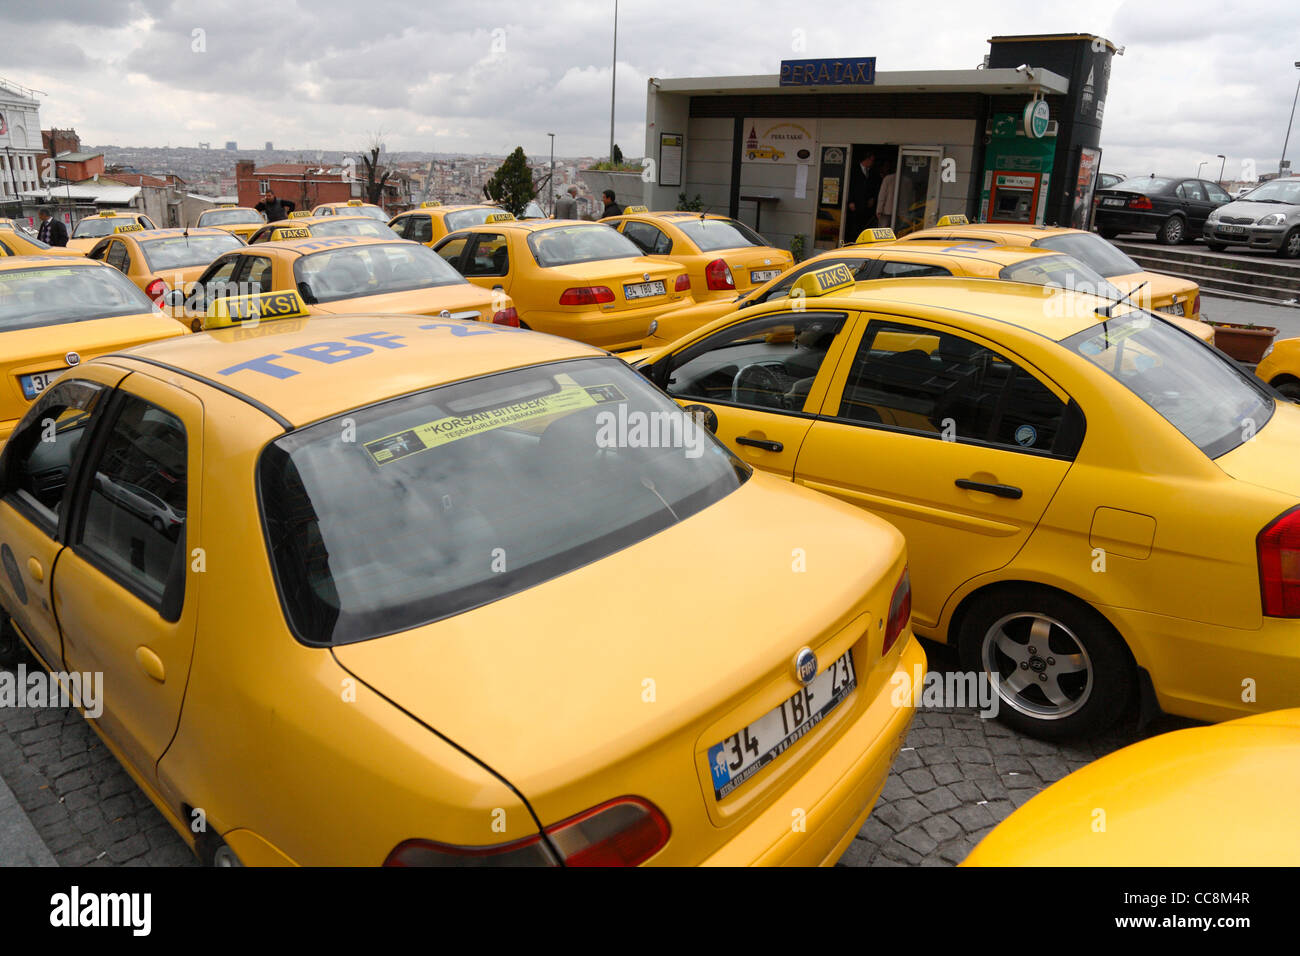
column 21, row 150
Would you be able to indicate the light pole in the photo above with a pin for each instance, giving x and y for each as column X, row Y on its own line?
column 1221, row 165
column 1282, row 158
column 614, row 76
column 552, row 181
column 1198, row 168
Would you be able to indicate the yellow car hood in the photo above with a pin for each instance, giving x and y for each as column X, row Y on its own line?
column 1222, row 795
column 564, row 663
column 1269, row 459
column 1162, row 288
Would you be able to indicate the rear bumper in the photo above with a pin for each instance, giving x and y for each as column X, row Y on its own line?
column 606, row 330
column 837, row 794
column 1204, row 671
column 1122, row 221
column 1256, row 237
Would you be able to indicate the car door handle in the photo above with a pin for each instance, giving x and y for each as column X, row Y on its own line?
column 151, row 664
column 1002, row 491
column 760, row 443
column 35, row 570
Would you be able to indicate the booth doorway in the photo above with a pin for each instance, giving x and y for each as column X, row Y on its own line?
column 916, row 205
column 867, row 201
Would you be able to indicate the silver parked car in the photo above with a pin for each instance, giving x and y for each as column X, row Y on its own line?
column 1267, row 217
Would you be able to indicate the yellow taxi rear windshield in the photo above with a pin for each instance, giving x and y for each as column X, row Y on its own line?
column 178, row 252
column 230, row 217
column 711, row 235
column 30, row 298
column 468, row 493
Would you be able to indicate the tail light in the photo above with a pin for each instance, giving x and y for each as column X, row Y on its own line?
column 1139, row 202
column 156, row 290
column 625, row 831
column 717, row 276
column 900, row 611
column 1278, row 546
column 506, row 317
column 683, row 283
column 1194, row 307
column 586, row 295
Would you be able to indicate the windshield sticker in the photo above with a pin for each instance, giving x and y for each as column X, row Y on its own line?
column 446, row 430
column 1026, row 435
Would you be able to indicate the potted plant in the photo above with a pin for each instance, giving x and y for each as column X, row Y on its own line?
column 1246, row 342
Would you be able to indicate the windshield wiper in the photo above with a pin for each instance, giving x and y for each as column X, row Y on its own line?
column 1109, row 310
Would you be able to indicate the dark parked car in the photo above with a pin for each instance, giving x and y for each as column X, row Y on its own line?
column 1174, row 208
column 1106, row 180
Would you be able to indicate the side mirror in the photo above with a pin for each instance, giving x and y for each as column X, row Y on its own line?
column 174, row 297
column 703, row 415
column 304, row 290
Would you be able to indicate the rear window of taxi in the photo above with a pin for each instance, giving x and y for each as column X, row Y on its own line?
column 464, row 218
column 371, row 228
column 230, row 217
column 465, row 494
column 1060, row 272
column 97, row 228
column 30, row 298
column 711, row 235
column 361, row 270
column 566, row 245
column 178, row 252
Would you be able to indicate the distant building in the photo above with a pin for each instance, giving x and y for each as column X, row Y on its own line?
column 231, row 145
column 55, row 141
column 269, row 148
column 21, row 148
column 305, row 184
column 161, row 197
column 78, row 167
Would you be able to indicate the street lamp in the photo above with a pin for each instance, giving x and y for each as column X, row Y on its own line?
column 613, row 77
column 1198, row 168
column 552, row 180
column 1282, row 158
column 1221, row 165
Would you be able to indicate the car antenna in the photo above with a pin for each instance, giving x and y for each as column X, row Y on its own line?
column 1109, row 310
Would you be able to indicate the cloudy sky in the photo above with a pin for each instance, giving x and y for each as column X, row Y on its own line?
column 488, row 75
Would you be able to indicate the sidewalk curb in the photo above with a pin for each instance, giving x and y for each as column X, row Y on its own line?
column 20, row 844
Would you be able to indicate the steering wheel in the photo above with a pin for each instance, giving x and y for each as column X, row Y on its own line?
column 757, row 384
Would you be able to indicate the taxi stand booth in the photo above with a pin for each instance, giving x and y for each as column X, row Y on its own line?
column 1012, row 141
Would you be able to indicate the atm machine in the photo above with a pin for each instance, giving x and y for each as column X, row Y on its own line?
column 1017, row 171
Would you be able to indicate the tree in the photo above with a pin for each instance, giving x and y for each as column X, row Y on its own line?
column 616, row 157
column 374, row 181
column 512, row 184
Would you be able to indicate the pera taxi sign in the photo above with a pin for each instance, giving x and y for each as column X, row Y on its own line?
column 239, row 309
column 875, row 235
column 826, row 281
column 291, row 233
column 133, row 227
column 500, row 217
column 957, row 220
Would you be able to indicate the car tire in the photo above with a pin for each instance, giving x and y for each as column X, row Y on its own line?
column 157, row 523
column 1288, row 388
column 11, row 645
column 1173, row 231
column 1108, row 233
column 1290, row 247
column 1079, row 697
column 1215, row 246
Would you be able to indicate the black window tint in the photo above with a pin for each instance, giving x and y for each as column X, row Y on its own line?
column 118, row 257
column 452, row 249
column 768, row 363
column 134, row 523
column 1215, row 193
column 649, row 240
column 491, row 256
column 399, row 225
column 1191, row 189
column 42, row 453
column 259, row 274
column 943, row 385
column 419, row 229
column 911, row 270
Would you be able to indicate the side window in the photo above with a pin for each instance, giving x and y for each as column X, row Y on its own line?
column 911, row 270
column 100, row 251
column 651, row 241
column 1215, row 193
column 43, row 452
column 768, row 363
column 133, row 527
column 861, row 269
column 118, row 257
column 259, row 274
column 453, row 248
column 491, row 256
column 946, row 386
column 1191, row 189
column 262, row 235
column 400, row 225
column 420, row 229
column 219, row 277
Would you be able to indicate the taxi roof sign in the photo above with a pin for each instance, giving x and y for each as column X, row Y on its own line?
column 300, row 214
column 956, row 220
column 635, row 209
column 875, row 235
column 430, row 204
column 828, row 281
column 355, row 202
column 133, row 227
column 296, row 232
column 500, row 217
column 226, row 205
column 107, row 212
column 248, row 310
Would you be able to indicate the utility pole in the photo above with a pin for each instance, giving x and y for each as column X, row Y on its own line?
column 1221, row 165
column 552, row 180
column 614, row 76
column 1281, row 159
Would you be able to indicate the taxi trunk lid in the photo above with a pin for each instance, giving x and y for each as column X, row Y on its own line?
column 581, row 690
column 462, row 301
column 626, row 278
column 746, row 261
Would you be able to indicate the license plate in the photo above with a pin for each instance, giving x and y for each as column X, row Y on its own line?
column 763, row 275
column 1114, row 202
column 735, row 760
column 1233, row 230
column 38, row 382
column 1176, row 309
column 643, row 290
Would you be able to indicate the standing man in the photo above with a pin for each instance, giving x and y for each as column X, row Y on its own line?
column 566, row 207
column 864, row 187
column 885, row 199
column 52, row 232
column 611, row 207
column 275, row 208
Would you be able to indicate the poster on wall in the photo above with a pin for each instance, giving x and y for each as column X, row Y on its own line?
column 788, row 141
column 670, row 158
column 1089, row 161
column 826, row 232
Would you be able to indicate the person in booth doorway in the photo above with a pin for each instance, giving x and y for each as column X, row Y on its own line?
column 885, row 199
column 52, row 232
column 864, row 188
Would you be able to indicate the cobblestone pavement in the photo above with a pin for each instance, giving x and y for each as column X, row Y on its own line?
column 957, row 777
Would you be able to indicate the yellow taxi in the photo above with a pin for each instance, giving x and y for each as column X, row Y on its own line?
column 1097, row 504
column 56, row 311
column 430, row 221
column 296, row 277
column 1147, row 805
column 353, row 207
column 878, row 256
column 241, row 221
column 18, row 240
column 415, row 672
column 582, row 280
column 1163, row 293
column 1280, row 367
column 304, row 227
column 722, row 255
column 159, row 260
column 90, row 230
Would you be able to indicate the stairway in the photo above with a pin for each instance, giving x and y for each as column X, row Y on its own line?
column 1251, row 278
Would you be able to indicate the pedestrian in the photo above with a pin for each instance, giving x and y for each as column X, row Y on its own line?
column 52, row 232
column 885, row 199
column 275, row 208
column 611, row 207
column 566, row 207
column 864, row 188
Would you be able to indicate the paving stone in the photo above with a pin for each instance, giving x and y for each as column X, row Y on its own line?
column 925, row 737
column 919, row 781
column 858, row 853
column 128, row 849
column 916, row 839
column 936, row 754
column 956, row 851
column 966, row 792
column 946, row 773
column 1006, row 763
column 939, row 800
column 875, row 831
column 907, row 759
column 941, row 828
column 972, row 818
column 1020, row 797
column 1021, row 781
column 894, row 789
column 902, row 814
column 972, row 755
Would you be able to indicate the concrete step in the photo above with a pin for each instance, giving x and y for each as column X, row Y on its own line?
column 1199, row 254
column 1237, row 277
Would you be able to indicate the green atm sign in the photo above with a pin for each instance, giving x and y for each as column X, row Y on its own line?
column 1036, row 118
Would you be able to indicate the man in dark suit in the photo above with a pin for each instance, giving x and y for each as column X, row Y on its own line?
column 52, row 232
column 864, row 187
